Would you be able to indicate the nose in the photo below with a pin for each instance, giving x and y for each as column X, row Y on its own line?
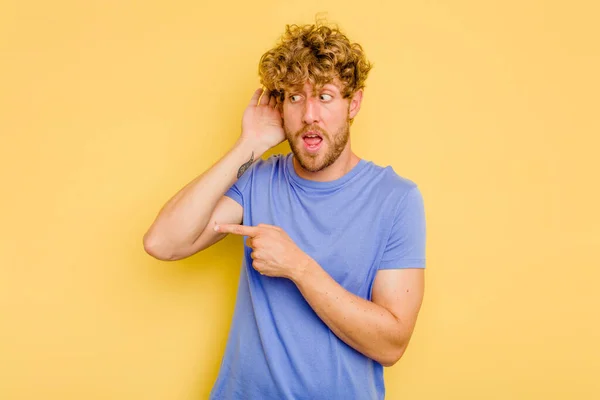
column 311, row 111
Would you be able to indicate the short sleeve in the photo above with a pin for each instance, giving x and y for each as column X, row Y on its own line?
column 240, row 188
column 405, row 247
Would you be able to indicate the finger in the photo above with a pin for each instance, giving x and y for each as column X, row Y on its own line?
column 264, row 100
column 256, row 97
column 272, row 101
column 249, row 243
column 237, row 229
column 268, row 226
column 257, row 265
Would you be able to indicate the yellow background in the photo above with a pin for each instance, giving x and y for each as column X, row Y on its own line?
column 107, row 108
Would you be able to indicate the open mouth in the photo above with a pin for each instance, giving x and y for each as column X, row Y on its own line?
column 312, row 141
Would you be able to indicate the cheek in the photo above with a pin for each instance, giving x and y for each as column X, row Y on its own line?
column 334, row 116
column 289, row 116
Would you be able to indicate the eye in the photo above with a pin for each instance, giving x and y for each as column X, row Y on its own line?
column 326, row 97
column 294, row 98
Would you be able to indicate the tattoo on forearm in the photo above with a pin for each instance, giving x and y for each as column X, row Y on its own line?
column 245, row 166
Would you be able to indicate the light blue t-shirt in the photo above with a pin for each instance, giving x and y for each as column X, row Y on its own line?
column 278, row 347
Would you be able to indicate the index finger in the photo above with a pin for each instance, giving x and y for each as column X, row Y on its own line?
column 237, row 229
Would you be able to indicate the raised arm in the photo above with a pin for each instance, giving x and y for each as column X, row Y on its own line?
column 179, row 228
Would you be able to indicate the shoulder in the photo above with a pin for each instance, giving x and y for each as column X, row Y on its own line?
column 391, row 183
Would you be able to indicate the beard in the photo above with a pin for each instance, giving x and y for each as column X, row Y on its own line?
column 326, row 155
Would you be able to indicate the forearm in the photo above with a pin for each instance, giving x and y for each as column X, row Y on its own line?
column 183, row 218
column 367, row 327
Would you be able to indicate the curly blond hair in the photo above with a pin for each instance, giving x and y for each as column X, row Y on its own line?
column 317, row 54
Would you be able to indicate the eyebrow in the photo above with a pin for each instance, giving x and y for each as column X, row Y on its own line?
column 327, row 86
column 294, row 89
column 332, row 86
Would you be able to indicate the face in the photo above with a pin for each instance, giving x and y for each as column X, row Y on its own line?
column 317, row 124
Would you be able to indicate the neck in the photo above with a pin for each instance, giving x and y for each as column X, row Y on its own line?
column 344, row 163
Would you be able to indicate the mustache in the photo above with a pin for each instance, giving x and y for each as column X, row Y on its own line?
column 311, row 128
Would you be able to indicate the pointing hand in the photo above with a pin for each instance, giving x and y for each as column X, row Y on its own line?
column 274, row 253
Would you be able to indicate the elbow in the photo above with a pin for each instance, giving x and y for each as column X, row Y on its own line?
column 389, row 362
column 392, row 357
column 162, row 249
column 156, row 248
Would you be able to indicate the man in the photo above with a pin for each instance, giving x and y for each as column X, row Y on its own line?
column 332, row 274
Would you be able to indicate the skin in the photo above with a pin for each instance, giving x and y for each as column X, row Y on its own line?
column 327, row 113
column 381, row 328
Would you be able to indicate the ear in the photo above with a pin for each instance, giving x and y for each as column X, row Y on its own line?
column 355, row 102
